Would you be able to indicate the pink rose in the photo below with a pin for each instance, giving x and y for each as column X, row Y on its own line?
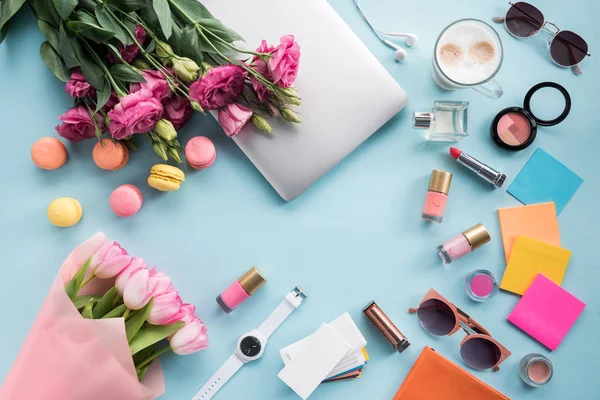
column 166, row 308
column 77, row 125
column 178, row 110
column 284, row 60
column 219, row 86
column 123, row 277
column 155, row 82
column 78, row 86
column 109, row 260
column 190, row 339
column 233, row 117
column 139, row 289
column 130, row 52
column 136, row 113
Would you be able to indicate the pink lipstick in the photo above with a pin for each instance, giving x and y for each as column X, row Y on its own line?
column 482, row 170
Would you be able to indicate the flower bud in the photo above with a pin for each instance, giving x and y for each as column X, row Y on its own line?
column 174, row 153
column 164, row 53
column 196, row 106
column 290, row 116
column 185, row 69
column 161, row 150
column 141, row 64
column 261, row 123
column 109, row 260
column 165, row 129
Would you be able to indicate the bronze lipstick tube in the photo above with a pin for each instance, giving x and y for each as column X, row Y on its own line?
column 386, row 327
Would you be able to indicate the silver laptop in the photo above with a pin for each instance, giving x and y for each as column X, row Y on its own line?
column 346, row 94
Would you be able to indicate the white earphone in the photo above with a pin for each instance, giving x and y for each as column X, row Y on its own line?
column 400, row 54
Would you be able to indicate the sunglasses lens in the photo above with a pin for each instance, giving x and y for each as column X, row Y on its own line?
column 436, row 317
column 480, row 353
column 568, row 48
column 524, row 20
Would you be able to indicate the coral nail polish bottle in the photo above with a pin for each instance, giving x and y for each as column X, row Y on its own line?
column 437, row 195
column 240, row 290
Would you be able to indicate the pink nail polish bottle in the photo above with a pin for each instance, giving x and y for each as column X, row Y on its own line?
column 437, row 195
column 240, row 290
column 463, row 243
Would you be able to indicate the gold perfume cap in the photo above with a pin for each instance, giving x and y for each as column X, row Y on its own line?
column 252, row 280
column 477, row 236
column 440, row 181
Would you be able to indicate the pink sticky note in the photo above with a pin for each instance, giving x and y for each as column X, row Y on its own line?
column 546, row 312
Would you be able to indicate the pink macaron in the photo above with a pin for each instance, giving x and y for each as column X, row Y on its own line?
column 200, row 152
column 126, row 200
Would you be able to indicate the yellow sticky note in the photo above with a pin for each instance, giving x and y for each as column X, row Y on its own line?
column 531, row 257
column 536, row 221
column 365, row 354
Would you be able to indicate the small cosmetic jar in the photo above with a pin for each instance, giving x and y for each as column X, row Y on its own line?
column 515, row 128
column 481, row 285
column 536, row 370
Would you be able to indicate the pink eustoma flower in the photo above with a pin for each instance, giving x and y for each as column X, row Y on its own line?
column 190, row 339
column 77, row 125
column 156, row 82
column 129, row 52
column 233, row 117
column 284, row 61
column 178, row 110
column 109, row 260
column 78, row 86
column 137, row 112
column 219, row 86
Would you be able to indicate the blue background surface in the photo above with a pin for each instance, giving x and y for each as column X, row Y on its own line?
column 355, row 236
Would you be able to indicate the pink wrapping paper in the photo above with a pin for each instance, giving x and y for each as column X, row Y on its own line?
column 68, row 357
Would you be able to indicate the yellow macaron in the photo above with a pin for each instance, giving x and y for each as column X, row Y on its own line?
column 165, row 178
column 64, row 212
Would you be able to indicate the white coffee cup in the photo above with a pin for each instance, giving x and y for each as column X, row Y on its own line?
column 468, row 54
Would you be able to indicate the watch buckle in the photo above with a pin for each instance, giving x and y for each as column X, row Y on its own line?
column 298, row 292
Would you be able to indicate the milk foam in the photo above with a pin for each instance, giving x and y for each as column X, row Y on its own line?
column 468, row 53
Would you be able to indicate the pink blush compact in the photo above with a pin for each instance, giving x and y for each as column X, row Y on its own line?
column 514, row 128
column 481, row 285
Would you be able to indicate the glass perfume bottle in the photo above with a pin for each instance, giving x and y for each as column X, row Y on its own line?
column 446, row 121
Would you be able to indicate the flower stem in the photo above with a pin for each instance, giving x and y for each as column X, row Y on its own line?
column 85, row 282
column 152, row 357
column 126, row 314
column 114, row 84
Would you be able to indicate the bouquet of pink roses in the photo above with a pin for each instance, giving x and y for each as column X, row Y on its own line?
column 105, row 312
column 139, row 67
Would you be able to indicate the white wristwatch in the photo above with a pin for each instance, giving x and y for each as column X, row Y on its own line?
column 251, row 345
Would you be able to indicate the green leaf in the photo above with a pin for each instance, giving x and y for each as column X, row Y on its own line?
column 65, row 50
column 175, row 40
column 87, row 310
column 81, row 301
column 50, row 33
column 72, row 286
column 191, row 10
column 128, row 5
column 141, row 356
column 117, row 312
column 135, row 323
column 108, row 22
column 104, row 305
column 151, row 46
column 8, row 8
column 44, row 10
column 190, row 44
column 125, row 73
column 161, row 7
column 131, row 25
column 142, row 372
column 93, row 74
column 217, row 28
column 151, row 334
column 102, row 96
column 4, row 31
column 93, row 32
column 64, row 8
column 89, row 5
column 86, row 17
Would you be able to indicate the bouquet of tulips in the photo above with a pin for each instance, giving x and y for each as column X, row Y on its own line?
column 106, row 312
column 140, row 67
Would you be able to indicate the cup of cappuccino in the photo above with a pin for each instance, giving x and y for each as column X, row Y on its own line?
column 468, row 54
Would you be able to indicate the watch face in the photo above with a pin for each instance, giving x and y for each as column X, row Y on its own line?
column 250, row 346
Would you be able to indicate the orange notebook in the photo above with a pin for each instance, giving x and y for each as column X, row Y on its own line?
column 434, row 377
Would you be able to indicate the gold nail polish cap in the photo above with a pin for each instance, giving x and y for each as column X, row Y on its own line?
column 477, row 236
column 252, row 280
column 440, row 181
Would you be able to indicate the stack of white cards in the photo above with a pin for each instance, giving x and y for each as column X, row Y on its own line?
column 334, row 352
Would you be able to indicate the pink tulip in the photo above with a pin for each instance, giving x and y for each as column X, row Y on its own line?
column 188, row 311
column 162, row 283
column 166, row 309
column 190, row 339
column 139, row 289
column 109, row 261
column 123, row 277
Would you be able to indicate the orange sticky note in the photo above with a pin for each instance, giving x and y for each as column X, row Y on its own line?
column 531, row 257
column 536, row 221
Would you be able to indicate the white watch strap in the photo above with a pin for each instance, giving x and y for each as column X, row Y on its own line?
column 292, row 300
column 227, row 370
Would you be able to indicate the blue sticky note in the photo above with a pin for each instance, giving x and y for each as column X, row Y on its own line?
column 545, row 179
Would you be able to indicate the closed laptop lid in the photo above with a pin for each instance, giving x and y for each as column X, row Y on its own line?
column 346, row 93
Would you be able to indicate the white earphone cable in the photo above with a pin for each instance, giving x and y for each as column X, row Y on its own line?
column 375, row 30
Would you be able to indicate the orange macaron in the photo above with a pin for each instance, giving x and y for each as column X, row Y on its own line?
column 110, row 155
column 48, row 153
